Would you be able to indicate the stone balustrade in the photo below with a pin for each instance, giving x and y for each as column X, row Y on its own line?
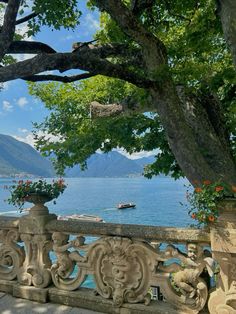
column 45, row 259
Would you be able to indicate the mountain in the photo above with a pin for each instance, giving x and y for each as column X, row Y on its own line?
column 112, row 164
column 20, row 158
column 145, row 161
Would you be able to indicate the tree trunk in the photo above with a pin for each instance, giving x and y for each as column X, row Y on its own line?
column 201, row 150
column 227, row 12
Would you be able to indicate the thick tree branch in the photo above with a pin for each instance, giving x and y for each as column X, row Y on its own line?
column 64, row 79
column 84, row 60
column 30, row 47
column 138, row 6
column 8, row 28
column 26, row 18
column 99, row 110
column 151, row 45
column 227, row 12
column 115, row 49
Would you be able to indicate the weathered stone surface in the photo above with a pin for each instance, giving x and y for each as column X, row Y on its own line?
column 8, row 222
column 12, row 305
column 163, row 234
column 30, row 293
column 7, row 286
column 85, row 298
column 223, row 243
column 35, row 224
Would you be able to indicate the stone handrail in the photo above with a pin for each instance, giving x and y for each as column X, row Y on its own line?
column 45, row 259
column 125, row 260
column 162, row 234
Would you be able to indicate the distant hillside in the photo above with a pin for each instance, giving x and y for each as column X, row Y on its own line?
column 17, row 157
column 145, row 161
column 112, row 164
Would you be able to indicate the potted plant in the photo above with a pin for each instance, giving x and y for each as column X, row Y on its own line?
column 204, row 200
column 37, row 192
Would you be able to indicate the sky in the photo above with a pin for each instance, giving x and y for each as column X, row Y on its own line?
column 18, row 110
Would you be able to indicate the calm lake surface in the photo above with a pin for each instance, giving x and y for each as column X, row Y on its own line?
column 157, row 200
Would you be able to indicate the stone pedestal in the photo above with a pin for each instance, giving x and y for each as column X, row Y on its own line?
column 36, row 267
column 223, row 244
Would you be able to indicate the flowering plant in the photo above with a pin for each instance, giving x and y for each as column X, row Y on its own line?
column 20, row 192
column 203, row 200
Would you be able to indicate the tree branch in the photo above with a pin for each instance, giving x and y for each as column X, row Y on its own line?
column 99, row 110
column 227, row 12
column 85, row 60
column 131, row 26
column 26, row 18
column 8, row 28
column 132, row 55
column 153, row 49
column 30, row 47
column 64, row 79
column 138, row 6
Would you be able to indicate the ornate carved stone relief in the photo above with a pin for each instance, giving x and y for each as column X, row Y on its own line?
column 67, row 261
column 36, row 267
column 11, row 254
column 181, row 282
column 124, row 269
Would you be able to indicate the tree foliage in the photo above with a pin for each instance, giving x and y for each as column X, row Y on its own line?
column 169, row 68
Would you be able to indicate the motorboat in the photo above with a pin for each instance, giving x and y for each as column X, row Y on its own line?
column 125, row 205
column 83, row 217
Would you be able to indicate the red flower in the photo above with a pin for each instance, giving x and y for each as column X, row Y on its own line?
column 207, row 182
column 193, row 216
column 219, row 188
column 211, row 218
column 198, row 190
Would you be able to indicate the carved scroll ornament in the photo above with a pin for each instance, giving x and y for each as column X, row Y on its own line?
column 11, row 254
column 124, row 269
column 36, row 268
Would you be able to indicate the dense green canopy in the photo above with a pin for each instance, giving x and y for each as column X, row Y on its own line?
column 165, row 68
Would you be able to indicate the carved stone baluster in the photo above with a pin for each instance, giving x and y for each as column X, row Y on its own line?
column 11, row 254
column 36, row 268
column 223, row 243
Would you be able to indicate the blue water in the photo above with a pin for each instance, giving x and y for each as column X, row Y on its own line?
column 157, row 200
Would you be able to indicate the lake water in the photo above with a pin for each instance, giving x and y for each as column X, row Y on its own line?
column 157, row 200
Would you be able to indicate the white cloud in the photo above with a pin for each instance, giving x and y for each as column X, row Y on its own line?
column 28, row 138
column 22, row 102
column 5, row 85
column 67, row 37
column 138, row 155
column 6, row 106
column 23, row 130
column 91, row 22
